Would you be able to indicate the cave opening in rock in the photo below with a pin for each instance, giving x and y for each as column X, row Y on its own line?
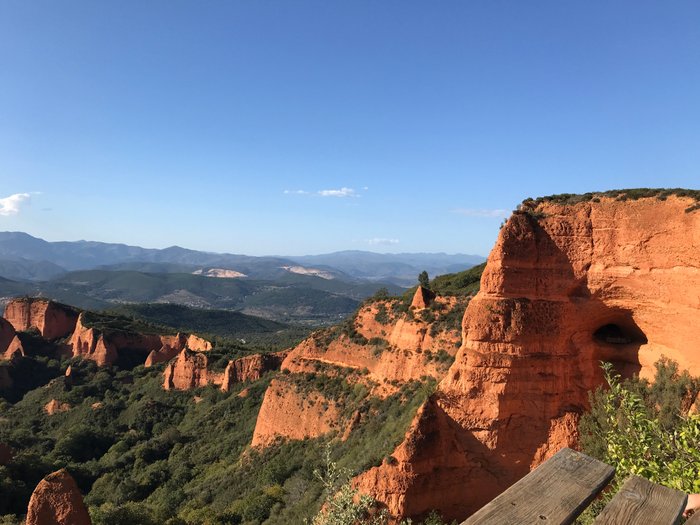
column 618, row 340
column 619, row 334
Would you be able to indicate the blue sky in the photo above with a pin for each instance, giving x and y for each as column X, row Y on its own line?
column 269, row 127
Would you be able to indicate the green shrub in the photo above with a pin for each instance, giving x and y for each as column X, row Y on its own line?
column 625, row 429
column 382, row 315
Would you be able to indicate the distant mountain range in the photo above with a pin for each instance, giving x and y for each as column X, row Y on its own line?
column 27, row 258
column 398, row 268
column 316, row 289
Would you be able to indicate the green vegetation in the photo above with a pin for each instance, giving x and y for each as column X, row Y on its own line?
column 423, row 279
column 382, row 315
column 145, row 456
column 620, row 195
column 115, row 322
column 217, row 325
column 344, row 506
column 644, row 429
column 459, row 284
column 452, row 319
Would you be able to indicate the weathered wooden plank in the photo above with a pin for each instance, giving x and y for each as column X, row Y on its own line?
column 642, row 502
column 553, row 494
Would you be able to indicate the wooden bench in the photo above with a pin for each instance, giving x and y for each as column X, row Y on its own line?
column 561, row 488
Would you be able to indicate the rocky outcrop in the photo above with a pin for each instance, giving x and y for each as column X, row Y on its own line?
column 10, row 345
column 402, row 348
column 422, row 298
column 385, row 346
column 197, row 344
column 250, row 368
column 55, row 407
column 289, row 413
column 566, row 286
column 90, row 343
column 190, row 370
column 56, row 500
column 51, row 319
column 104, row 347
column 172, row 345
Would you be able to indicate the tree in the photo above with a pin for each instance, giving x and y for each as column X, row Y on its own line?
column 423, row 279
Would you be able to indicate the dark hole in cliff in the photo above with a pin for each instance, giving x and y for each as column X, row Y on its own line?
column 616, row 334
column 619, row 342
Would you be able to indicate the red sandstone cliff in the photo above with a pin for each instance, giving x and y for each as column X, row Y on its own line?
column 290, row 413
column 104, row 347
column 89, row 343
column 190, row 370
column 565, row 287
column 53, row 320
column 172, row 345
column 10, row 345
column 56, row 500
column 250, row 368
column 383, row 347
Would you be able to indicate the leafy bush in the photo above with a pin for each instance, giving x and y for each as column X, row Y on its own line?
column 343, row 506
column 627, row 429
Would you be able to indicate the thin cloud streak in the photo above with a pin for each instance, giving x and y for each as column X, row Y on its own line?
column 341, row 192
column 11, row 205
column 382, row 242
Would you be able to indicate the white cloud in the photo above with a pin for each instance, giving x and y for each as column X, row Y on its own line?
column 342, row 192
column 12, row 204
column 381, row 241
column 472, row 212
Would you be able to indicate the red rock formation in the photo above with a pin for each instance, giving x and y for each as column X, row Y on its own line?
column 89, row 343
column 104, row 348
column 250, row 368
column 422, row 298
column 565, row 287
column 55, row 406
column 387, row 350
column 56, row 500
column 401, row 350
column 53, row 320
column 188, row 371
column 288, row 413
column 197, row 344
column 172, row 345
column 10, row 345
